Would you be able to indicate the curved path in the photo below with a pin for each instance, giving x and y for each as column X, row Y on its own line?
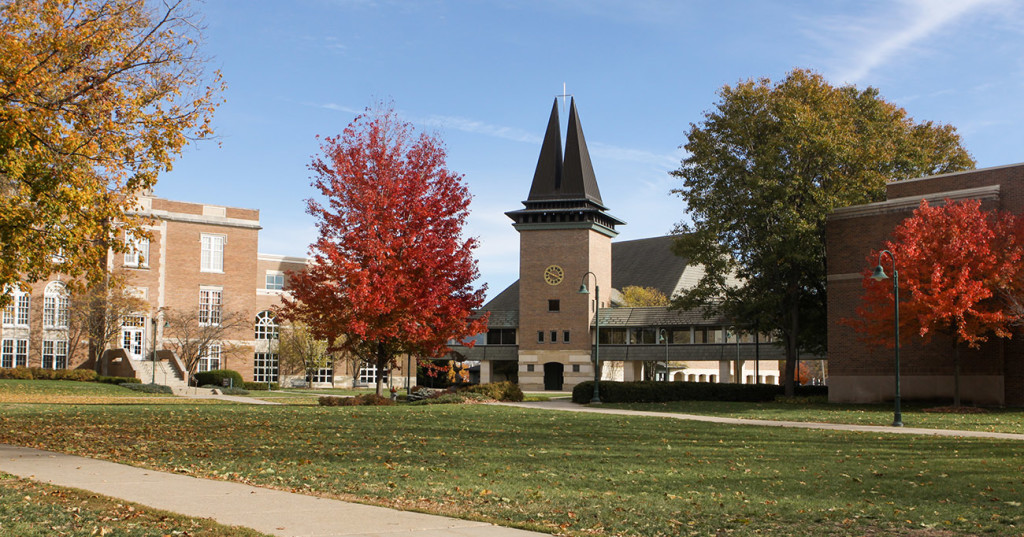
column 568, row 406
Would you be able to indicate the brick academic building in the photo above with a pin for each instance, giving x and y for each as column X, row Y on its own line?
column 201, row 259
column 990, row 375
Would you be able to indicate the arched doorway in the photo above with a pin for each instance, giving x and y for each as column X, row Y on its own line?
column 553, row 378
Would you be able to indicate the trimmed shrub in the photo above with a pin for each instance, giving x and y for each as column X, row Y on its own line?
column 369, row 399
column 118, row 380
column 83, row 375
column 147, row 388
column 216, row 378
column 259, row 386
column 38, row 373
column 234, row 391
column 499, row 391
column 17, row 373
column 657, row 392
column 442, row 399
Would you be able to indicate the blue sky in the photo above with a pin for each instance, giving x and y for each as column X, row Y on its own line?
column 483, row 74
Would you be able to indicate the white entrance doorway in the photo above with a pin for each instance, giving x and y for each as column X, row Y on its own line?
column 133, row 336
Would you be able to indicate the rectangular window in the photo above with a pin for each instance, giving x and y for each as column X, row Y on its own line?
column 554, row 305
column 212, row 253
column 368, row 375
column 540, row 336
column 501, row 336
column 137, row 253
column 265, row 367
column 275, row 282
column 642, row 336
column 55, row 311
column 210, row 304
column 554, row 336
column 14, row 353
column 565, row 336
column 322, row 375
column 681, row 336
column 16, row 313
column 575, row 368
column 211, row 358
column 55, row 354
column 529, row 368
column 614, row 336
column 714, row 335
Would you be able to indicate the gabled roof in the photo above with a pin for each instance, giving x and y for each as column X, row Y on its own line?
column 648, row 263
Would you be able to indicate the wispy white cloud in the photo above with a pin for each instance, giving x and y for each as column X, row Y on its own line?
column 668, row 161
column 868, row 43
column 477, row 127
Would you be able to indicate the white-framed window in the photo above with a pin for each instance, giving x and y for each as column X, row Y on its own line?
column 265, row 367
column 210, row 305
column 212, row 259
column 55, row 354
column 368, row 374
column 275, row 281
column 324, row 374
column 14, row 353
column 210, row 359
column 16, row 313
column 55, row 305
column 136, row 254
column 266, row 325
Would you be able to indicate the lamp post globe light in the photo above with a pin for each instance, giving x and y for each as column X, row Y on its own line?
column 879, row 275
column 597, row 333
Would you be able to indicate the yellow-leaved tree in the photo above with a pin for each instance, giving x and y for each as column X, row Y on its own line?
column 97, row 97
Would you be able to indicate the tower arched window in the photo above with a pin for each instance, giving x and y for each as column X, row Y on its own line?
column 55, row 305
column 266, row 325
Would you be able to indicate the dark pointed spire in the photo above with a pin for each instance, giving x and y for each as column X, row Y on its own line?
column 578, row 172
column 547, row 179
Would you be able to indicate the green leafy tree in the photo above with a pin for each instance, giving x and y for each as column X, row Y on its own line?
column 300, row 350
column 97, row 98
column 764, row 169
column 635, row 296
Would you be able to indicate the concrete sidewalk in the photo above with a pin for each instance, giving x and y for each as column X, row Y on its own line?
column 569, row 406
column 270, row 511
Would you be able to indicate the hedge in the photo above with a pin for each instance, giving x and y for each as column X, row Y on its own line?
column 259, row 386
column 215, row 378
column 147, row 388
column 118, row 380
column 369, row 399
column 38, row 373
column 499, row 391
column 657, row 392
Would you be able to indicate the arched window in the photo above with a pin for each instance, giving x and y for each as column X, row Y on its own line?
column 55, row 305
column 266, row 325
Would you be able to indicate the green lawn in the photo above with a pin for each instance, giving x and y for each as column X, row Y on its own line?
column 914, row 415
column 30, row 509
column 575, row 474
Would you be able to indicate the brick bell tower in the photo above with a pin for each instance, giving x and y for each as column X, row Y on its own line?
column 565, row 231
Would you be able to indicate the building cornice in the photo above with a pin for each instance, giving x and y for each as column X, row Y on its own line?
column 899, row 205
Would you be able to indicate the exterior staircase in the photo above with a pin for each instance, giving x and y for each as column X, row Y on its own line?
column 165, row 374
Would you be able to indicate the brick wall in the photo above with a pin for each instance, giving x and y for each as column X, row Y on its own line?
column 852, row 234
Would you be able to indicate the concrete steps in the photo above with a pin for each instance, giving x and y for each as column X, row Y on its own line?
column 165, row 374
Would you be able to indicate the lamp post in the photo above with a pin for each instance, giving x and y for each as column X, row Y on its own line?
column 879, row 275
column 597, row 332
column 153, row 379
column 664, row 337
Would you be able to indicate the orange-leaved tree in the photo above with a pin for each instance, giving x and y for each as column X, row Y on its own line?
column 954, row 261
column 98, row 97
column 391, row 272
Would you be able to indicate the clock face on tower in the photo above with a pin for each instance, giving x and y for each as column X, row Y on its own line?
column 554, row 275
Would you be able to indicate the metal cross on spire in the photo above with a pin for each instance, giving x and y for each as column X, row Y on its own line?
column 563, row 96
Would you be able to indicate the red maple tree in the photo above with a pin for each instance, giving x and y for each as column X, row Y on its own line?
column 955, row 263
column 391, row 273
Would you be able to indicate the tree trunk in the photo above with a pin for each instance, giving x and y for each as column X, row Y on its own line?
column 791, row 346
column 382, row 361
column 956, row 373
